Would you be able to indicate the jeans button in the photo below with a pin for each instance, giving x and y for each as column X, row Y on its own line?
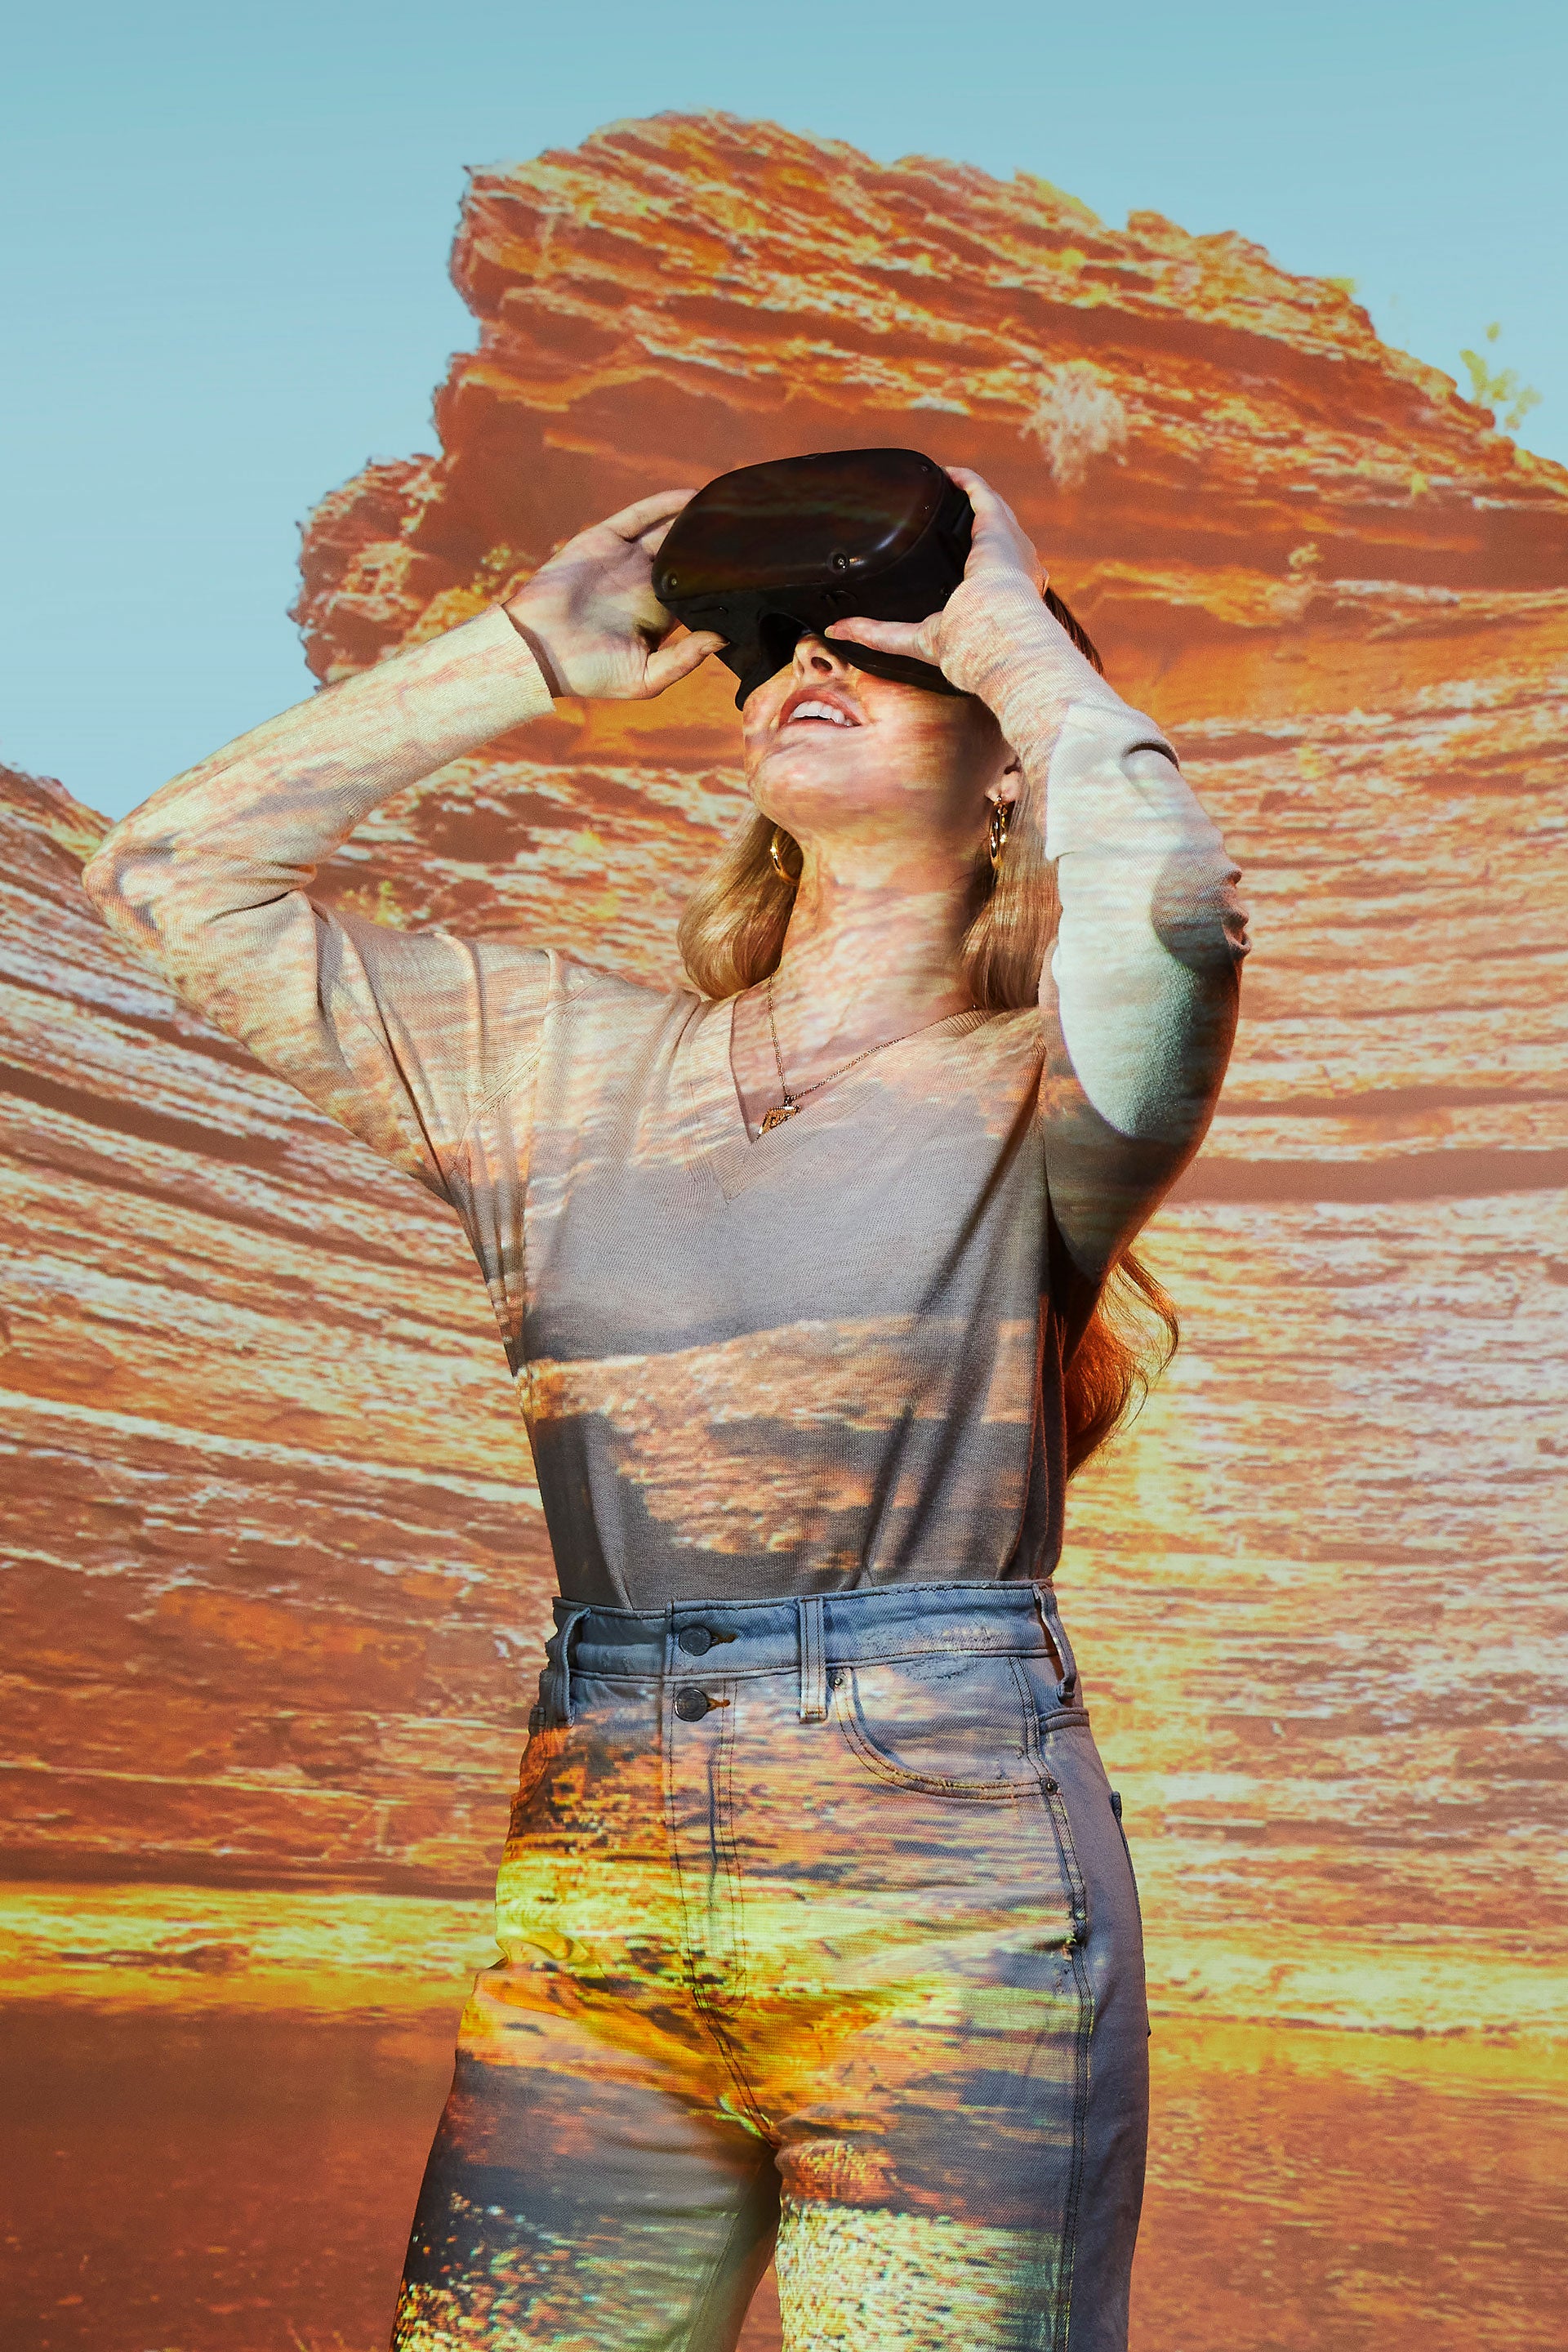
column 691, row 1703
column 695, row 1640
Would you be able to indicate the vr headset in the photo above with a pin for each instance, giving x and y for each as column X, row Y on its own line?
column 772, row 553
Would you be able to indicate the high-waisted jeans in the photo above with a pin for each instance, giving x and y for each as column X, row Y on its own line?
column 818, row 1927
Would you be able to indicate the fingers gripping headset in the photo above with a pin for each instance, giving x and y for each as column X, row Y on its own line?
column 771, row 553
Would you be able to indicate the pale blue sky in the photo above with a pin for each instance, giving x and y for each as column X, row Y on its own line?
column 223, row 274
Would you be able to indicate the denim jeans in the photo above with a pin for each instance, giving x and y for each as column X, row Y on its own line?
column 817, row 1929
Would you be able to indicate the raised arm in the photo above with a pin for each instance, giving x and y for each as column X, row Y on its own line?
column 398, row 1034
column 1144, row 981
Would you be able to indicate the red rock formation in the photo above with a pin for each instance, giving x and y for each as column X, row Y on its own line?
column 679, row 295
column 1318, row 1602
column 273, row 1566
column 1331, row 579
column 273, row 1577
column 1325, row 569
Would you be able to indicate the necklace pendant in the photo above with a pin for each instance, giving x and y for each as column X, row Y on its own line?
column 778, row 1114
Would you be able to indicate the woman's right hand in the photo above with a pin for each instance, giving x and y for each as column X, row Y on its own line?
column 998, row 602
column 591, row 620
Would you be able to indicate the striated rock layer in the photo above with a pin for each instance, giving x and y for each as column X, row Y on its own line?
column 277, row 1573
column 273, row 1568
column 1325, row 570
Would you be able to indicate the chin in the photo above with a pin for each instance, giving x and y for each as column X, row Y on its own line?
column 824, row 771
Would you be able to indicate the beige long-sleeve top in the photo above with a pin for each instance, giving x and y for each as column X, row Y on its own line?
column 826, row 1358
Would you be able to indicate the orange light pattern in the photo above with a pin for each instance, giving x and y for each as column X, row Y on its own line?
column 868, row 1975
column 275, row 1572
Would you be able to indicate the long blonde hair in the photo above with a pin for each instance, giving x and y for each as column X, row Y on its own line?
column 731, row 936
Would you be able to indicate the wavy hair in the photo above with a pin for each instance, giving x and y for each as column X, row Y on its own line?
column 731, row 936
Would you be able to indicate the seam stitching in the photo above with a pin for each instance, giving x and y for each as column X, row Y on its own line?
column 928, row 1784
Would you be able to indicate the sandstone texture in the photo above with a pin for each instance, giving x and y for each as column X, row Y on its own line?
column 1326, row 571
column 274, row 1571
column 277, row 1571
column 273, row 1563
column 1321, row 1585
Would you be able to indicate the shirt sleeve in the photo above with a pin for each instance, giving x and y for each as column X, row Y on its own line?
column 399, row 1036
column 1142, row 988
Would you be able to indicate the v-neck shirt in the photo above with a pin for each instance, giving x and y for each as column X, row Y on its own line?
column 826, row 1358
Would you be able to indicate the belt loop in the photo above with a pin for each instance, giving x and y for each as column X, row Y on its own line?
column 558, row 1681
column 1056, row 1635
column 813, row 1661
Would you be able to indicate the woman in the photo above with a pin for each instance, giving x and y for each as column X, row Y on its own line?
column 816, row 1917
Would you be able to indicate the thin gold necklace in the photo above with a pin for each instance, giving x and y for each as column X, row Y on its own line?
column 790, row 1102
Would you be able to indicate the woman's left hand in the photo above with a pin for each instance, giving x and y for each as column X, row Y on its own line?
column 1002, row 573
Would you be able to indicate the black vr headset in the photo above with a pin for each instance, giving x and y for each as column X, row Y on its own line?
column 772, row 553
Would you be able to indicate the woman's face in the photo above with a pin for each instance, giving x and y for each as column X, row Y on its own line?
column 831, row 751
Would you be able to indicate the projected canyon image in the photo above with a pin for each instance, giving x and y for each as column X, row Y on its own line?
column 275, row 1572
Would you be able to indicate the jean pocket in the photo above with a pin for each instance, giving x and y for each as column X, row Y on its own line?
column 952, row 1725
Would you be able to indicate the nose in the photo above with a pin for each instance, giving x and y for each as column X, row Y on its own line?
column 814, row 658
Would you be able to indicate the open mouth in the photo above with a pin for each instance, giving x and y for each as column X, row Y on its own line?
column 818, row 709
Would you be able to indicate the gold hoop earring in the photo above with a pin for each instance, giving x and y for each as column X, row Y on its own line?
column 997, row 837
column 775, row 850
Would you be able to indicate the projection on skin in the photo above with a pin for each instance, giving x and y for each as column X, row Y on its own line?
column 281, row 1592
